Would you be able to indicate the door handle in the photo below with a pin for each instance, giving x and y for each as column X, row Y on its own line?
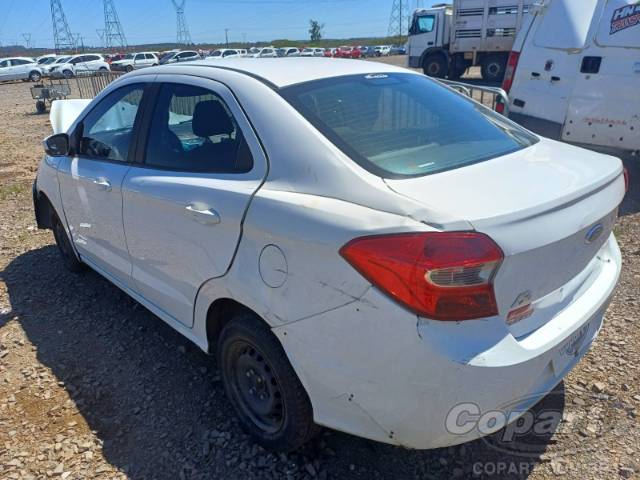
column 202, row 214
column 103, row 183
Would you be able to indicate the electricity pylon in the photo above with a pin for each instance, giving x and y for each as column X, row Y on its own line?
column 113, row 33
column 183, row 37
column 62, row 37
column 398, row 21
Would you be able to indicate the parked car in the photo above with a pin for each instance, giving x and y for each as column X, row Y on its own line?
column 114, row 57
column 382, row 50
column 267, row 52
column 398, row 50
column 224, row 53
column 19, row 68
column 312, row 52
column 329, row 52
column 578, row 85
column 46, row 59
column 367, row 52
column 288, row 52
column 180, row 56
column 342, row 262
column 87, row 62
column 347, row 52
column 135, row 61
column 46, row 68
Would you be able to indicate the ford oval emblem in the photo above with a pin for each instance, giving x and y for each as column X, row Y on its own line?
column 593, row 234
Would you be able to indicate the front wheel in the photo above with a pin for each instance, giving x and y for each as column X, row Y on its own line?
column 67, row 74
column 435, row 66
column 129, row 68
column 271, row 403
column 69, row 258
column 35, row 76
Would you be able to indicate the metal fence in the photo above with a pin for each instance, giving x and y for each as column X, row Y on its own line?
column 90, row 84
column 493, row 97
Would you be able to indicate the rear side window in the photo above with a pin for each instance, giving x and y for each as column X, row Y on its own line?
column 404, row 125
column 193, row 130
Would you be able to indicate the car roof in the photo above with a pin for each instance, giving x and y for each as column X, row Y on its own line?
column 282, row 72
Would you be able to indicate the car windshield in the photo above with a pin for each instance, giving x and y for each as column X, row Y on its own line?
column 63, row 60
column 47, row 61
column 399, row 125
column 308, row 50
column 217, row 53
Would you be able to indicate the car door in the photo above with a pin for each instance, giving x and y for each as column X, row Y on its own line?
column 5, row 70
column 20, row 68
column 184, row 203
column 91, row 181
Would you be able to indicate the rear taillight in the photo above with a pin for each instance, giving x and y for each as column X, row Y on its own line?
column 626, row 180
column 510, row 71
column 438, row 275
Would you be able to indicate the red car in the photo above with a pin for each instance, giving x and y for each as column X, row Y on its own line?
column 115, row 57
column 348, row 52
column 328, row 52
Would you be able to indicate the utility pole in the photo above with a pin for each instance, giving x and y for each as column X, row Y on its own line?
column 183, row 37
column 226, row 36
column 62, row 37
column 113, row 34
column 27, row 39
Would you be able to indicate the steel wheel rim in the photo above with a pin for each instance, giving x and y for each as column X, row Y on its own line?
column 255, row 387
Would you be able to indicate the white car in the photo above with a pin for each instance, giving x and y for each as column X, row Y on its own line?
column 46, row 59
column 288, row 52
column 385, row 250
column 382, row 50
column 135, row 61
column 19, row 68
column 50, row 65
column 78, row 64
column 267, row 52
column 180, row 56
column 312, row 52
column 225, row 52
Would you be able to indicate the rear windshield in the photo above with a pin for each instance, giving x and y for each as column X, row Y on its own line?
column 400, row 125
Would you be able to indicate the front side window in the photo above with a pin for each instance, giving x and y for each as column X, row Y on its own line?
column 19, row 61
column 107, row 130
column 425, row 23
column 400, row 125
column 4, row 63
column 140, row 56
column 193, row 130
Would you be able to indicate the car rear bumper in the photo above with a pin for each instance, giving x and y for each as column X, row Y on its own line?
column 395, row 378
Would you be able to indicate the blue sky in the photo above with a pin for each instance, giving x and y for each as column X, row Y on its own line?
column 147, row 21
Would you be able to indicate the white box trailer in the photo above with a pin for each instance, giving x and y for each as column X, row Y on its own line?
column 447, row 39
column 574, row 73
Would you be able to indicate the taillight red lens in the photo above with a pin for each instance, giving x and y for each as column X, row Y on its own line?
column 510, row 71
column 626, row 179
column 438, row 275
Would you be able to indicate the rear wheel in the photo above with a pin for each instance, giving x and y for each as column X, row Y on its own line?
column 270, row 401
column 493, row 67
column 69, row 258
column 129, row 68
column 67, row 74
column 435, row 66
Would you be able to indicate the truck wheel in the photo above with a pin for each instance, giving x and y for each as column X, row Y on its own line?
column 35, row 76
column 493, row 67
column 435, row 66
column 271, row 403
column 69, row 258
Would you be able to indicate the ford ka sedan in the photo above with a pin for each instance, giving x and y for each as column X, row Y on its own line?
column 401, row 250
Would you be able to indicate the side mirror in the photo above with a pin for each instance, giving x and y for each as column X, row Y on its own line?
column 56, row 145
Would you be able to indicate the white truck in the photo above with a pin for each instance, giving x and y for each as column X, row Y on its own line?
column 574, row 72
column 446, row 39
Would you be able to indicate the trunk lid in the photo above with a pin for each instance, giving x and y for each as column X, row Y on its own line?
column 550, row 207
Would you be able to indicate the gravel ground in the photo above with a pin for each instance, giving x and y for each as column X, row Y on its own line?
column 94, row 386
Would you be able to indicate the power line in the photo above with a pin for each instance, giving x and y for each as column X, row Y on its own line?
column 62, row 37
column 113, row 33
column 183, row 36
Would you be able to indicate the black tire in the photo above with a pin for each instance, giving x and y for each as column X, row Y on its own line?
column 68, row 254
column 128, row 68
column 41, row 106
column 271, row 403
column 493, row 67
column 67, row 74
column 35, row 76
column 435, row 66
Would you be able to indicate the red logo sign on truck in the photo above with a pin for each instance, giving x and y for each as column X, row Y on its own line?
column 625, row 17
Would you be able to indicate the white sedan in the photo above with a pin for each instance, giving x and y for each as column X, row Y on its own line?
column 19, row 68
column 399, row 251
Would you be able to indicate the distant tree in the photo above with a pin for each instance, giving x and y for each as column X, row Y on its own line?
column 315, row 30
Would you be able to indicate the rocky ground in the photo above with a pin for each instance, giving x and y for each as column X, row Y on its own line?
column 94, row 386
